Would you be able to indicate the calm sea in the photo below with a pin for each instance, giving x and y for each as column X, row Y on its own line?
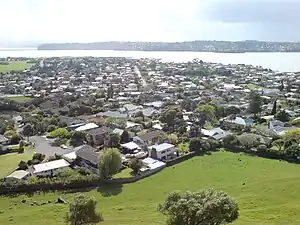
column 288, row 62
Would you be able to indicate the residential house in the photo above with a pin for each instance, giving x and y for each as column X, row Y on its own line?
column 279, row 127
column 234, row 122
column 18, row 175
column 149, row 138
column 86, row 127
column 130, row 147
column 88, row 157
column 97, row 136
column 3, row 143
column 164, row 151
column 150, row 164
column 50, row 168
column 215, row 133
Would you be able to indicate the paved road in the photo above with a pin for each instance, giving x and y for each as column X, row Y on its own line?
column 137, row 71
column 43, row 146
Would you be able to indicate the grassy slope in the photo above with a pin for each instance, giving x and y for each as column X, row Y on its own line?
column 269, row 195
column 9, row 162
column 15, row 65
column 20, row 98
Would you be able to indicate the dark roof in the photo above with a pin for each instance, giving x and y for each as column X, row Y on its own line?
column 70, row 120
column 151, row 135
column 88, row 153
column 99, row 130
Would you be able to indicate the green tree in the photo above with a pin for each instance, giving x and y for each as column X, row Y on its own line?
column 51, row 128
column 283, row 116
column 23, row 165
column 207, row 207
column 135, row 164
column 28, row 130
column 255, row 103
column 77, row 138
column 110, row 162
column 114, row 140
column 125, row 137
column 206, row 112
column 82, row 211
column 195, row 145
column 291, row 137
column 168, row 117
column 60, row 133
column 173, row 138
column 274, row 109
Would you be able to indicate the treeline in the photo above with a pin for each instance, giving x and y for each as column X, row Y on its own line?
column 197, row 46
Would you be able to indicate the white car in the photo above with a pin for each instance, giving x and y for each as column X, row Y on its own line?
column 64, row 146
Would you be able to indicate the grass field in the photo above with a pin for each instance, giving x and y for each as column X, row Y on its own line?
column 20, row 98
column 267, row 192
column 9, row 162
column 15, row 65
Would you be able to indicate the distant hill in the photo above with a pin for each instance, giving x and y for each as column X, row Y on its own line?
column 196, row 46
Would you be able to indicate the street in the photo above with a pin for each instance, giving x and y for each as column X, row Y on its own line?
column 43, row 146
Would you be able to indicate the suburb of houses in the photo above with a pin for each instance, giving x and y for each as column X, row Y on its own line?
column 85, row 115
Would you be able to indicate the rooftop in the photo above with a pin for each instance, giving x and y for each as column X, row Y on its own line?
column 50, row 165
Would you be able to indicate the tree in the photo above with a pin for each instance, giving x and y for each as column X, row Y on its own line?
column 125, row 137
column 274, row 109
column 173, row 138
column 232, row 110
column 135, row 164
column 206, row 112
column 15, row 139
column 28, row 130
column 110, row 92
column 207, row 207
column 23, row 165
column 60, row 133
column 110, row 162
column 255, row 103
column 283, row 116
column 291, row 137
column 195, row 145
column 82, row 211
column 114, row 140
column 51, row 128
column 77, row 138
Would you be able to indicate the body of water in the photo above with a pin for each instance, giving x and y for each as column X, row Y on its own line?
column 281, row 61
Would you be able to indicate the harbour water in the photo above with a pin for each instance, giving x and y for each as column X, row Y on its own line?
column 279, row 61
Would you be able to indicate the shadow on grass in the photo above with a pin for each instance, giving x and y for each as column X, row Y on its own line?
column 110, row 190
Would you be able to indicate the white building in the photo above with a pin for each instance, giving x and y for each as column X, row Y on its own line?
column 50, row 168
column 18, row 175
column 163, row 151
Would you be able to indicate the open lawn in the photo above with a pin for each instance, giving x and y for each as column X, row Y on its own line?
column 267, row 192
column 10, row 162
column 20, row 98
column 15, row 65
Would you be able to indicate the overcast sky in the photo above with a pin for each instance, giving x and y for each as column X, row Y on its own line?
column 149, row 20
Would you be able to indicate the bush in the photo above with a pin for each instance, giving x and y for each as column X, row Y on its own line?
column 51, row 128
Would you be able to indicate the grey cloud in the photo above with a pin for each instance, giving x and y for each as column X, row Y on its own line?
column 249, row 11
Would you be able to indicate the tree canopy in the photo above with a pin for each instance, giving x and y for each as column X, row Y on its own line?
column 207, row 207
column 82, row 211
column 110, row 162
column 255, row 103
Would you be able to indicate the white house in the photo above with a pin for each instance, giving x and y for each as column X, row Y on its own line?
column 18, row 175
column 163, row 151
column 50, row 168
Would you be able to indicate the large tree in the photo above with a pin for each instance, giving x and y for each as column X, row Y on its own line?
column 110, row 162
column 28, row 130
column 207, row 207
column 283, row 116
column 255, row 103
column 125, row 137
column 206, row 112
column 82, row 211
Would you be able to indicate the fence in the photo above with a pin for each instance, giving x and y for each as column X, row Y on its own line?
column 180, row 159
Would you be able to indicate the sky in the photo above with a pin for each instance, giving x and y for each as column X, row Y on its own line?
column 149, row 20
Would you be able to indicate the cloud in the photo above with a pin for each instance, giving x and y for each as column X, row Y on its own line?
column 149, row 20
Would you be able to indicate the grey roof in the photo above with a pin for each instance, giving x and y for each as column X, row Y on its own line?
column 2, row 138
column 18, row 174
column 88, row 153
column 112, row 114
column 99, row 130
column 151, row 135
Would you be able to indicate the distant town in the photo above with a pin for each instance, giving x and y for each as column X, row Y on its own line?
column 193, row 46
column 86, row 122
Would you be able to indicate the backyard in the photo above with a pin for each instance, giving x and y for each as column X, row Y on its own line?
column 10, row 162
column 266, row 191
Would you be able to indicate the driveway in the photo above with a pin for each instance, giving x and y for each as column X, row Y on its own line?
column 42, row 146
